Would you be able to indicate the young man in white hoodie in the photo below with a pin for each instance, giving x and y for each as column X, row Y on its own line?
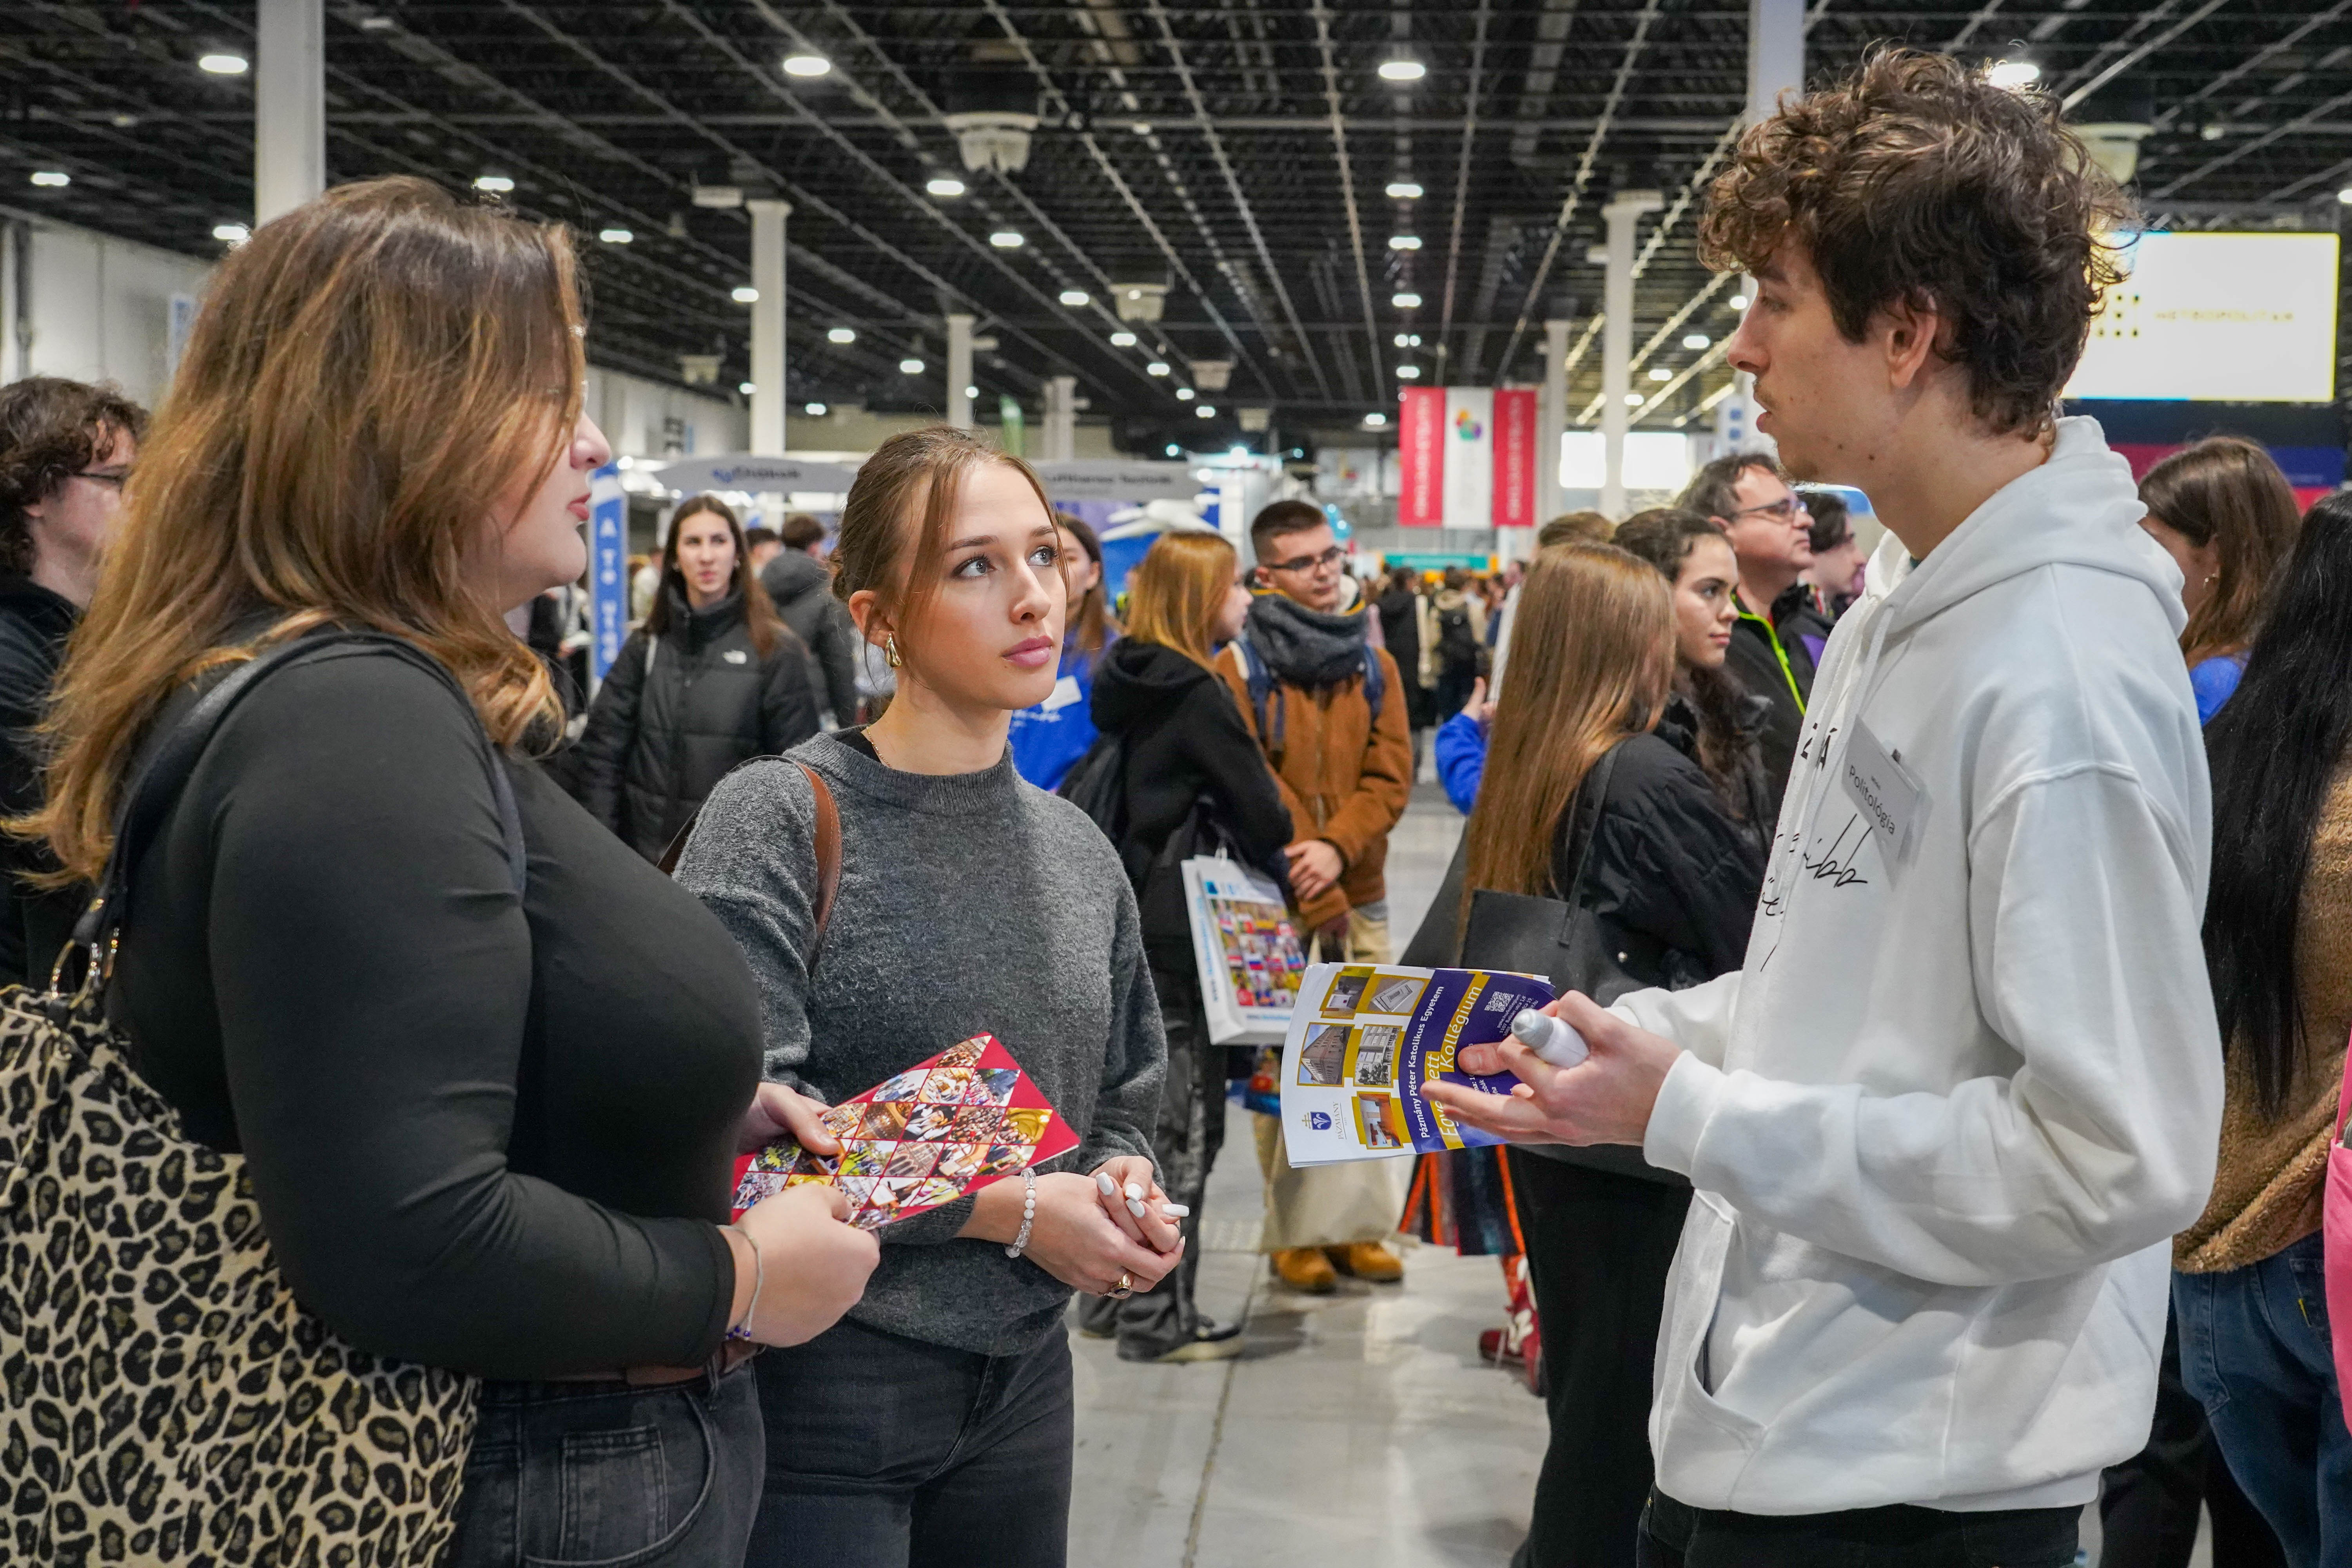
column 1968, row 1083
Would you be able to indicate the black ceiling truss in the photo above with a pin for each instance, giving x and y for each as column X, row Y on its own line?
column 1236, row 153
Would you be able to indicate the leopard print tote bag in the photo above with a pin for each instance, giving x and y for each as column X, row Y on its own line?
column 164, row 1397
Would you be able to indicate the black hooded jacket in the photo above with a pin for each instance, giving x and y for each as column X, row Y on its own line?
column 678, row 711
column 1185, row 743
column 802, row 586
column 33, row 626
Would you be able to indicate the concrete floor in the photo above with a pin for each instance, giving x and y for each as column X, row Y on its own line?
column 1358, row 1430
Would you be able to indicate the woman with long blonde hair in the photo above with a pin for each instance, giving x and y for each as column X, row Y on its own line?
column 489, row 1126
column 1673, row 877
column 1195, row 781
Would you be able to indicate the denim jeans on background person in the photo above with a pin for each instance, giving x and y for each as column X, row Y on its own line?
column 1675, row 1535
column 610, row 1475
column 2254, row 1350
column 886, row 1452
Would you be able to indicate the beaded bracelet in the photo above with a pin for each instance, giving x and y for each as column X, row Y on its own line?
column 1028, row 1213
column 759, row 1278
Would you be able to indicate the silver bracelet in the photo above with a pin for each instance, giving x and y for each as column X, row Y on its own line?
column 759, row 1278
column 1028, row 1213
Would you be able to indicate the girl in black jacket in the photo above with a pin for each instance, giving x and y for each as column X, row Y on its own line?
column 713, row 679
column 1187, row 752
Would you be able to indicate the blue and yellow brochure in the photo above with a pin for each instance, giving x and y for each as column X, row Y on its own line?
column 1365, row 1037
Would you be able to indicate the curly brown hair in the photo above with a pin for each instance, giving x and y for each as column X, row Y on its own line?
column 50, row 429
column 1918, row 180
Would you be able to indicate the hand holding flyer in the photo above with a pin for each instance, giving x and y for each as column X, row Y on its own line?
column 1364, row 1041
column 945, row 1127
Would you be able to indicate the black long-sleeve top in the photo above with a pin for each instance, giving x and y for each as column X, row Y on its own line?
column 486, row 1132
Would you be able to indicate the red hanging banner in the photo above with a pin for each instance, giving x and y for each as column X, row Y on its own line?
column 1420, row 458
column 1515, row 457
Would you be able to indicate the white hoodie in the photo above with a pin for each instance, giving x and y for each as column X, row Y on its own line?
column 1945, row 1121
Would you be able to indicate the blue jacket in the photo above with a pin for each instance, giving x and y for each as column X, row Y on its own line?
column 1048, row 739
column 1461, row 758
column 2214, row 680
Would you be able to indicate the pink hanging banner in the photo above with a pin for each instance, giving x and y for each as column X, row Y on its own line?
column 1515, row 457
column 1420, row 458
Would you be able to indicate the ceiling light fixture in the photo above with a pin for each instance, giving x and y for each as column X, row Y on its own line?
column 972, row 392
column 231, row 233
column 2013, row 75
column 1185, row 395
column 1156, row 367
column 1739, row 301
column 1205, row 412
column 1007, row 239
column 746, row 388
column 1408, row 301
column 1173, row 450
column 1403, row 69
column 745, row 294
column 1660, row 373
column 813, row 410
column 1632, row 400
column 1404, row 242
column 56, row 179
column 376, row 24
column 911, row 365
column 1122, row 340
column 944, row 185
column 841, row 335
column 1375, row 420
column 1408, row 372
column 494, row 185
column 1404, row 190
column 807, row 65
column 1697, row 341
column 615, row 236
column 1077, row 296
column 223, row 64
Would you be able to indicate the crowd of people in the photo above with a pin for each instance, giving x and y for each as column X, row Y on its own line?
column 1970, row 971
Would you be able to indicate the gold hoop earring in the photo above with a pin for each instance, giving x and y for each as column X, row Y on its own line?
column 890, row 651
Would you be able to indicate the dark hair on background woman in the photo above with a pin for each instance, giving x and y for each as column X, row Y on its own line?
column 1663, row 536
column 1090, row 623
column 2225, row 489
column 760, row 618
column 2274, row 751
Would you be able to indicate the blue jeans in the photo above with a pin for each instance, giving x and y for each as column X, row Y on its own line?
column 564, row 1475
column 886, row 1452
column 2254, row 1350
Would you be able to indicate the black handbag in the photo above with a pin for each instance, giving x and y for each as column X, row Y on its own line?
column 1564, row 940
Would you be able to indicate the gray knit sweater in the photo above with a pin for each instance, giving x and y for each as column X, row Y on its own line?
column 969, row 904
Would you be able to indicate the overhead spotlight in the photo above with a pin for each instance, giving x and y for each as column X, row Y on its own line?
column 1660, row 373
column 1122, row 340
column 911, row 365
column 1403, row 69
column 1408, row 301
column 231, row 233
column 944, row 185
column 1205, row 412
column 1077, row 296
column 841, row 335
column 2344, row 195
column 1156, row 367
column 813, row 410
column 1408, row 372
column 1633, row 400
column 746, row 388
column 1185, row 395
column 1375, row 419
column 2013, row 75
column 56, row 178
column 807, row 65
column 2211, row 133
column 1173, row 450
column 221, row 64
column 615, row 236
column 971, row 392
column 1697, row 341
column 1405, row 191
column 1739, row 301
column 745, row 294
column 1141, row 128
column 1007, row 239
column 1401, row 340
column 1404, row 242
column 376, row 23
column 494, row 185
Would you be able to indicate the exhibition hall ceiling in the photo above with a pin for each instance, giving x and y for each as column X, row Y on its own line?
column 1249, row 193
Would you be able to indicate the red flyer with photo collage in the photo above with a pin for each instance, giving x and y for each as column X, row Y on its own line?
column 943, row 1128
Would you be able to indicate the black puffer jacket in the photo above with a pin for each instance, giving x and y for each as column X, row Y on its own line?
column 33, row 626
column 1185, row 743
column 678, row 711
column 802, row 586
column 1747, row 792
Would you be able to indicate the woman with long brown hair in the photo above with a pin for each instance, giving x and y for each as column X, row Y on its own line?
column 1196, row 782
column 1674, row 878
column 489, row 1126
column 934, row 1424
column 2227, row 517
column 1049, row 739
column 713, row 678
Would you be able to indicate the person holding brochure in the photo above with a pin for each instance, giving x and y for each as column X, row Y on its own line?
column 1194, row 783
column 934, row 1425
column 1945, row 1119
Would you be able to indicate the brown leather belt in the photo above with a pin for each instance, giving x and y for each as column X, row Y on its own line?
column 732, row 1354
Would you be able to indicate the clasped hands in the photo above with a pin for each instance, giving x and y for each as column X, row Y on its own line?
column 1605, row 1099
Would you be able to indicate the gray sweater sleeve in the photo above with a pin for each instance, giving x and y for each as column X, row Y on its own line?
column 752, row 862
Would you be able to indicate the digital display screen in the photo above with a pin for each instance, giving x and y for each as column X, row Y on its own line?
column 2231, row 318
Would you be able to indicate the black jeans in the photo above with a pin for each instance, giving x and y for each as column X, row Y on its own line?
column 1599, row 1246
column 886, row 1452
column 1676, row 1536
column 2148, row 1505
column 607, row 1474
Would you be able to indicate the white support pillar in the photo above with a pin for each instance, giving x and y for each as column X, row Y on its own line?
column 1552, row 422
column 958, row 371
column 290, row 106
column 1623, row 214
column 1061, row 418
column 1776, row 54
column 768, row 389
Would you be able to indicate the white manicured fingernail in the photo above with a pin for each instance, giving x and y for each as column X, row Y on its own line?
column 1133, row 1190
column 1135, row 1206
column 1175, row 1211
column 1103, row 1181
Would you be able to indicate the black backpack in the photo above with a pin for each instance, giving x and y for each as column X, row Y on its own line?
column 1457, row 645
column 1096, row 785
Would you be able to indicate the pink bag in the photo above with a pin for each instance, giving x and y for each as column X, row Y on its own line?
column 2335, row 1229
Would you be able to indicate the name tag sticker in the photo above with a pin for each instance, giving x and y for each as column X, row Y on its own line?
column 1887, row 794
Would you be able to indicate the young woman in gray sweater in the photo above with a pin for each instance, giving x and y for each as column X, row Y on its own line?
column 933, row 1425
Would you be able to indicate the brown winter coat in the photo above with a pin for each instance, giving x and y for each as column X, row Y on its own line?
column 1345, row 779
column 2267, row 1190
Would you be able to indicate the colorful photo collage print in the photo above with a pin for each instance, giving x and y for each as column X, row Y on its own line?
column 1264, row 958
column 967, row 1117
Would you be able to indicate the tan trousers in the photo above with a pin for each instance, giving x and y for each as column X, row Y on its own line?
column 1332, row 1205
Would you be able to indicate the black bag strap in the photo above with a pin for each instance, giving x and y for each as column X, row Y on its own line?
column 149, row 796
column 1592, row 796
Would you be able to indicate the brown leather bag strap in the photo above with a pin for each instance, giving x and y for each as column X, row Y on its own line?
column 828, row 852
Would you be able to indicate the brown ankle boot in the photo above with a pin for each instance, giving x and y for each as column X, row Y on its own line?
column 1366, row 1260
column 1306, row 1268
